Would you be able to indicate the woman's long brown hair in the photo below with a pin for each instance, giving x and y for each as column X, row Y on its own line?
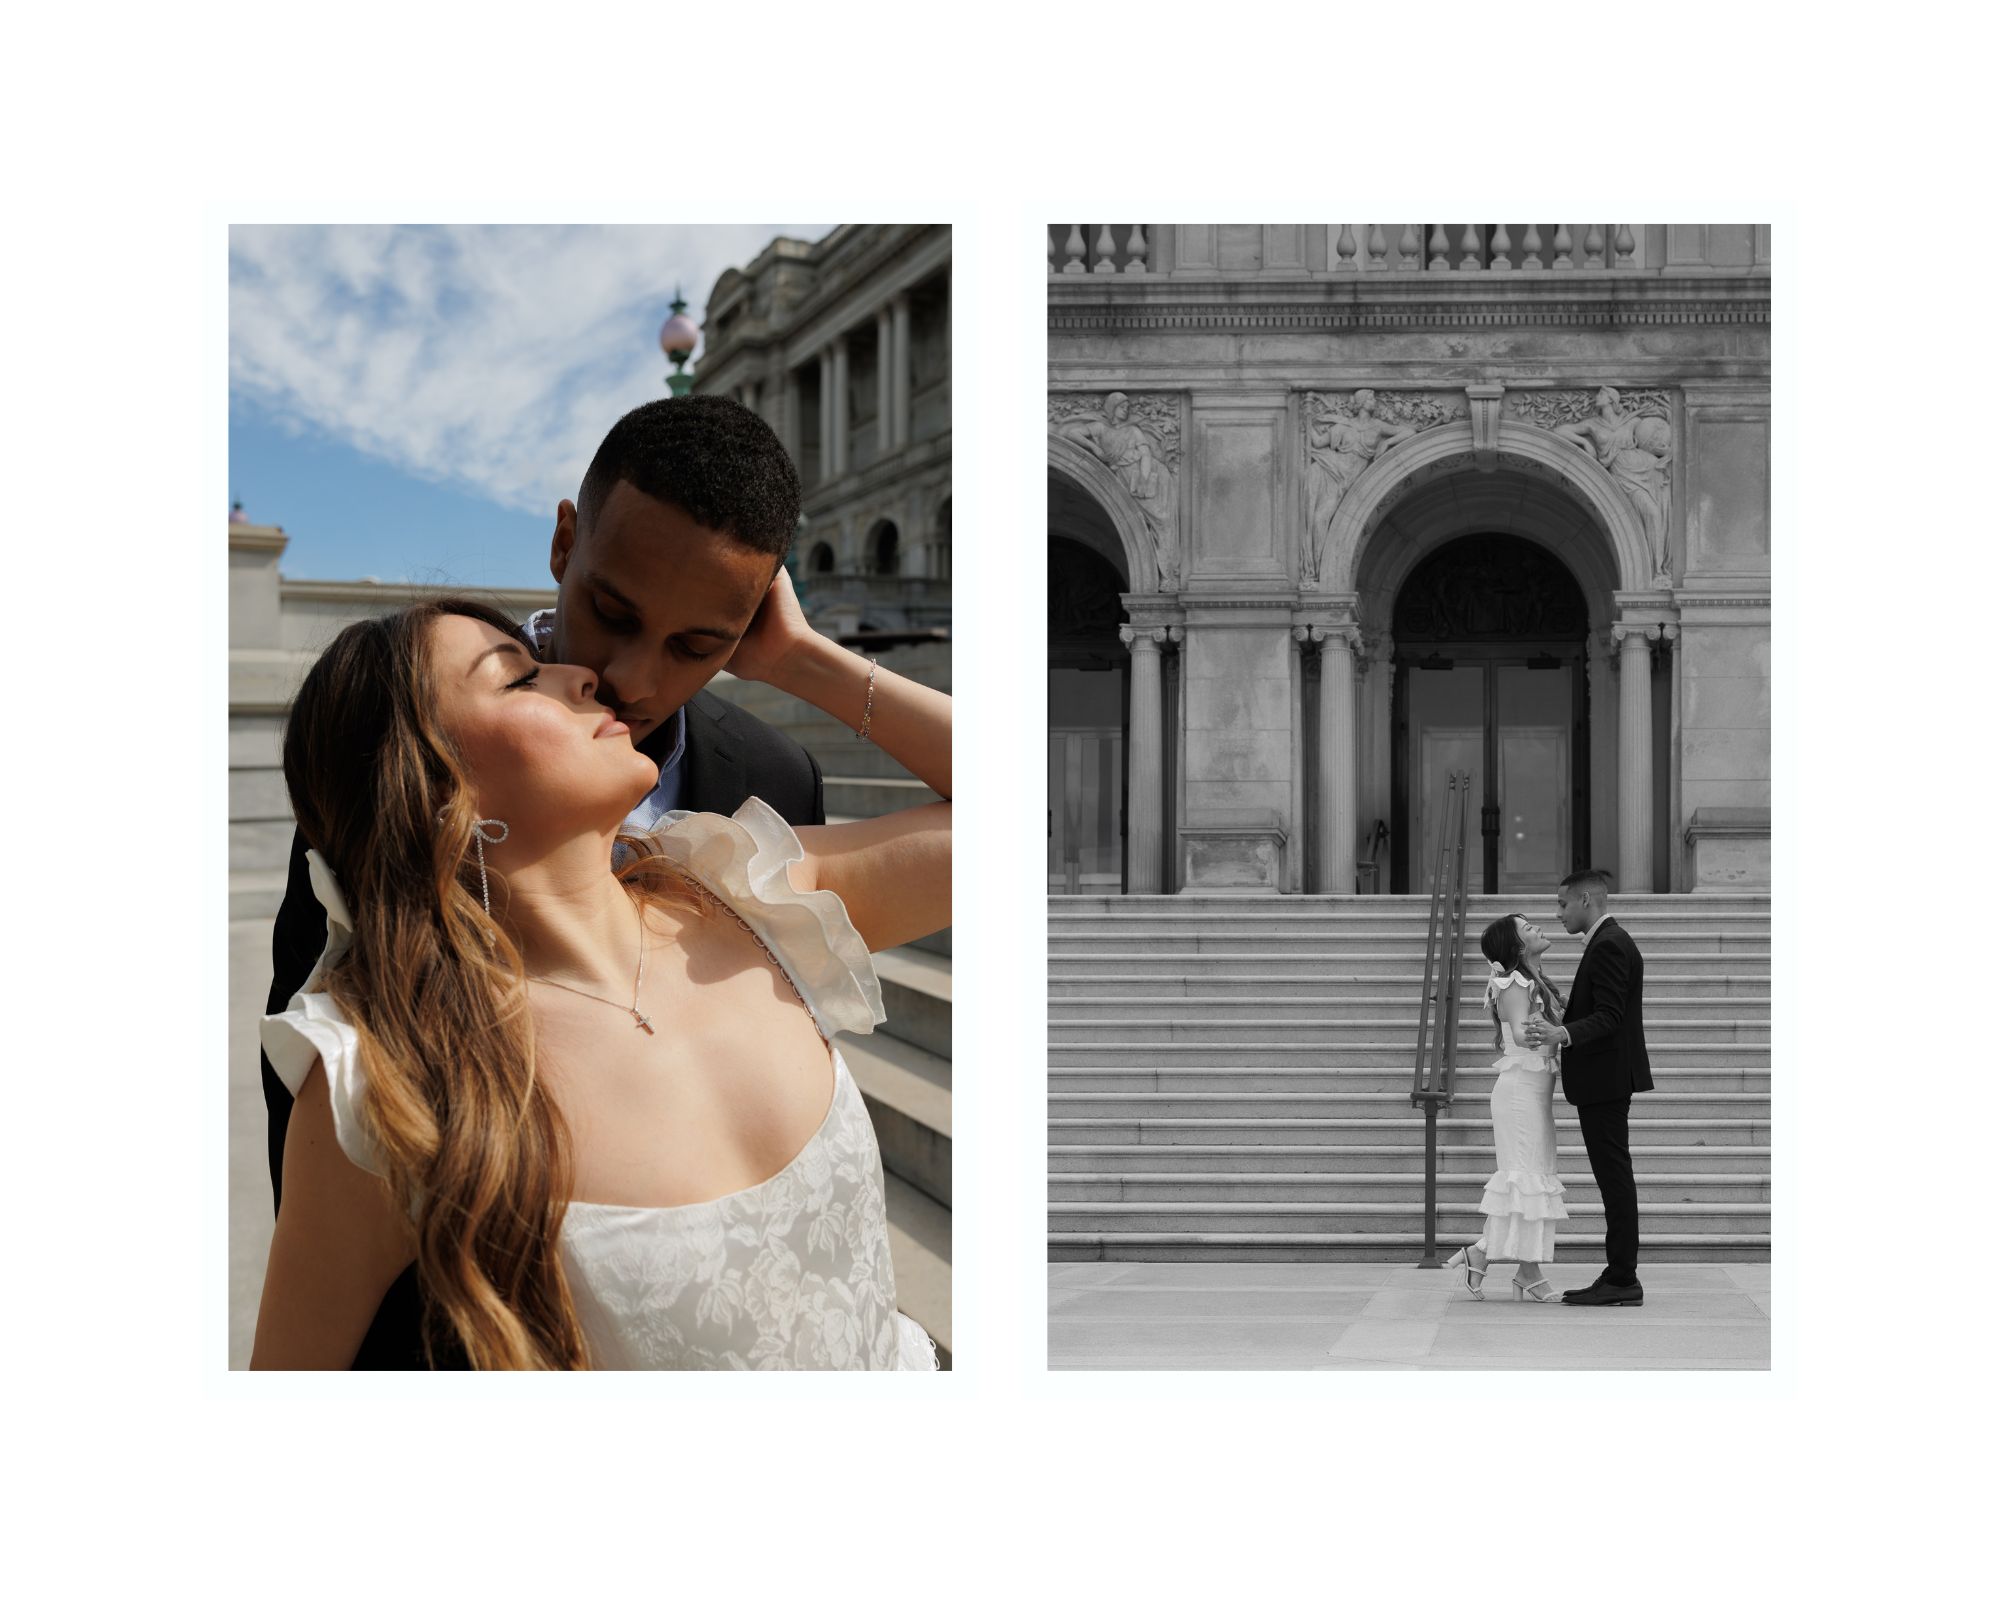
column 475, row 1149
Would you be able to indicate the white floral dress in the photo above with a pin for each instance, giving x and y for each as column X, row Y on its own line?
column 792, row 1273
column 1523, row 1200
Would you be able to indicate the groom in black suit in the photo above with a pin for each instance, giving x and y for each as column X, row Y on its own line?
column 682, row 494
column 1603, row 1035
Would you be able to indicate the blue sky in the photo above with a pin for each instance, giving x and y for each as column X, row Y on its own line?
column 409, row 403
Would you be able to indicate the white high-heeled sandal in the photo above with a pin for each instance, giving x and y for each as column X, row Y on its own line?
column 1541, row 1289
column 1468, row 1274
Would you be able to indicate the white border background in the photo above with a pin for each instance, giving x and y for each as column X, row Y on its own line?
column 141, row 1462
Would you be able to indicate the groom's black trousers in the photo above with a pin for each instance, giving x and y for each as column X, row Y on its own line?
column 1607, row 1141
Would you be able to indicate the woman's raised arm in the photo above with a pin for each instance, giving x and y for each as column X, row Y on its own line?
column 893, row 872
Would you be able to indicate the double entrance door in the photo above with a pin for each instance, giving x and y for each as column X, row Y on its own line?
column 1517, row 718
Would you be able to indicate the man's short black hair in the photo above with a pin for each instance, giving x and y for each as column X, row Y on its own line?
column 1591, row 880
column 714, row 459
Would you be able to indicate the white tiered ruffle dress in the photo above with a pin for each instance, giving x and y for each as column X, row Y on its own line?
column 791, row 1273
column 1523, row 1199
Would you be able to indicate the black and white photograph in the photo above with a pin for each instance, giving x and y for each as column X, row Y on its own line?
column 1409, row 792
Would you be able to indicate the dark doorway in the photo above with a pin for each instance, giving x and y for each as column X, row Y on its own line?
column 1492, row 679
column 1089, row 712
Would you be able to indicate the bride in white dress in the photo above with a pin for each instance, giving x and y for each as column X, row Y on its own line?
column 597, row 1104
column 1523, row 1198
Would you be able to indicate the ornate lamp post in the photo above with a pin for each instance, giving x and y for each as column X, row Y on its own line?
column 678, row 337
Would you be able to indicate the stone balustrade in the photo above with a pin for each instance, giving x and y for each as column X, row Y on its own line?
column 1123, row 250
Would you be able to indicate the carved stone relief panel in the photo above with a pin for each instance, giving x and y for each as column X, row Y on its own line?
column 1344, row 436
column 1630, row 435
column 1138, row 437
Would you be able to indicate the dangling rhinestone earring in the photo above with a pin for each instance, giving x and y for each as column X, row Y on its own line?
column 480, row 840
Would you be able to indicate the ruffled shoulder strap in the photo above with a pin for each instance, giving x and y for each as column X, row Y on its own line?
column 1505, row 980
column 314, row 1026
column 744, row 860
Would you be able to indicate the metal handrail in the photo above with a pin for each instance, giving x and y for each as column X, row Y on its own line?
column 1435, row 1080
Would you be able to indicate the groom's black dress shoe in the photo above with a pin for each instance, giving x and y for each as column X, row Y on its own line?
column 1601, row 1293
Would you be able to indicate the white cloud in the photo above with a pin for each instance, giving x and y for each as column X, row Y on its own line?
column 489, row 358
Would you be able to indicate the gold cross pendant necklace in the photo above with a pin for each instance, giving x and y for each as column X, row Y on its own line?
column 638, row 980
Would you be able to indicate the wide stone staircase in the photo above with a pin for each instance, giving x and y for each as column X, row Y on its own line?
column 1229, row 1079
column 903, row 1069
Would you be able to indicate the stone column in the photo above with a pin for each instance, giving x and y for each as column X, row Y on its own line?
column 839, row 407
column 899, row 372
column 1603, row 775
column 1336, row 759
column 885, row 400
column 1635, row 756
column 1145, row 768
column 788, row 420
column 825, row 415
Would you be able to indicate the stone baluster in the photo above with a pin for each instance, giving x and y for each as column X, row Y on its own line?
column 1378, row 249
column 1409, row 250
column 899, row 371
column 1503, row 244
column 1052, row 252
column 1145, row 780
column 1106, row 249
column 1469, row 261
column 1343, row 249
column 1635, row 756
column 1531, row 249
column 1336, row 758
column 1073, row 249
column 1562, row 262
column 1135, row 249
column 1440, row 249
column 1625, row 245
column 1593, row 246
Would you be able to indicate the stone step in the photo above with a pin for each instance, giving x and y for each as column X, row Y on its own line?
column 916, row 994
column 1335, row 1159
column 1625, row 907
column 920, row 1246
column 1472, row 1083
column 1244, row 984
column 1234, row 1105
column 1385, row 1053
column 1736, row 1130
column 1576, row 1257
column 1321, row 944
column 908, row 1091
column 1456, row 1190
column 256, row 896
column 1279, row 1023
column 1585, row 1223
column 875, row 797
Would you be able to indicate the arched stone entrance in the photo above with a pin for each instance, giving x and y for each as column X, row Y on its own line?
column 1569, row 519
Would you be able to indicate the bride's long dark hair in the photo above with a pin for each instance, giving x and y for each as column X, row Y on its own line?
column 1501, row 944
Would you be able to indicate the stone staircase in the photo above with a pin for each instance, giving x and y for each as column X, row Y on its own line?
column 904, row 1068
column 1229, row 1079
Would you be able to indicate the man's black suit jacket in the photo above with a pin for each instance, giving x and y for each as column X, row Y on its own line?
column 1605, row 1058
column 729, row 756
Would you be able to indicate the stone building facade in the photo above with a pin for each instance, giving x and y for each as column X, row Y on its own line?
column 844, row 347
column 1336, row 510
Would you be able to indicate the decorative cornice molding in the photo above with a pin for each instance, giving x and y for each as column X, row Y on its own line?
column 1335, row 305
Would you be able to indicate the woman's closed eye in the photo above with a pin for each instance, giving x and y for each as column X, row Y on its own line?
column 526, row 678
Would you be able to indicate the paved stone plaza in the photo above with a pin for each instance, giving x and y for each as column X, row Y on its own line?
column 1356, row 1316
